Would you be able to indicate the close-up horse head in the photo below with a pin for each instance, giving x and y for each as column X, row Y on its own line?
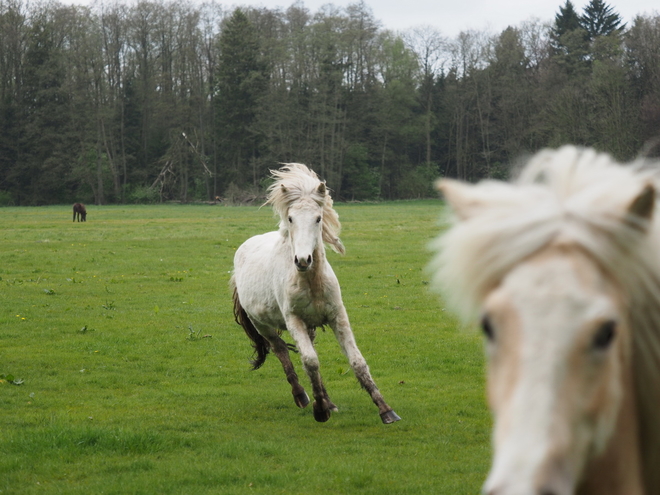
column 561, row 269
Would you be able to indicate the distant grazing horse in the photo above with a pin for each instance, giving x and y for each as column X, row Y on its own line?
column 283, row 281
column 80, row 212
column 562, row 267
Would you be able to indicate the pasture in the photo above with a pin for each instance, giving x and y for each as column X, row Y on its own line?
column 135, row 377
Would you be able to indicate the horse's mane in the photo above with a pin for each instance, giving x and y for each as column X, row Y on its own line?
column 295, row 182
column 578, row 196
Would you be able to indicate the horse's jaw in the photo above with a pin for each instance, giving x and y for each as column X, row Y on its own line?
column 302, row 265
column 512, row 474
column 309, row 270
column 314, row 264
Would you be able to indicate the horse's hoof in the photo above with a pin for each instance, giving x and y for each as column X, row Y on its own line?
column 389, row 417
column 331, row 406
column 320, row 414
column 302, row 400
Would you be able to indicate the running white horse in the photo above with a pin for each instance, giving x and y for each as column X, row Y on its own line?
column 283, row 281
column 562, row 267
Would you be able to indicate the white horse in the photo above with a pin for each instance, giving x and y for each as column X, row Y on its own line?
column 283, row 281
column 563, row 269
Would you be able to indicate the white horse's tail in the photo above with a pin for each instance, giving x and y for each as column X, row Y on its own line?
column 261, row 345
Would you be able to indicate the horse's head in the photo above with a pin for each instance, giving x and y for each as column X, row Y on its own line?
column 558, row 343
column 557, row 323
column 304, row 224
column 307, row 217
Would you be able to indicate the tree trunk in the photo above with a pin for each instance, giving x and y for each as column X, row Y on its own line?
column 99, row 200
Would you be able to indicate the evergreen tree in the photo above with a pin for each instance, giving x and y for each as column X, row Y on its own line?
column 42, row 167
column 566, row 20
column 569, row 40
column 599, row 19
column 242, row 79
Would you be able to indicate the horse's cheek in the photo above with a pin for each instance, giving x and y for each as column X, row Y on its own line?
column 501, row 381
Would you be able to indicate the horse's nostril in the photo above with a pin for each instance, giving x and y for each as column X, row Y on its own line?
column 309, row 259
column 295, row 259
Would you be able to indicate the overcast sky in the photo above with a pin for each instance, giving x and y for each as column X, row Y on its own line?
column 450, row 17
column 454, row 16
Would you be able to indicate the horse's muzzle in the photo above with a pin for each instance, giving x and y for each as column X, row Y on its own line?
column 302, row 264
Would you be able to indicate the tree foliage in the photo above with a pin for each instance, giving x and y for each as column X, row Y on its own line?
column 599, row 19
column 566, row 20
column 159, row 100
column 241, row 82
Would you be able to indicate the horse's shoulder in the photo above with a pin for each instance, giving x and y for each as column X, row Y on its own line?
column 263, row 238
column 261, row 244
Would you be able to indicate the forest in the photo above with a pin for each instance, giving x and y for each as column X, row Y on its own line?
column 168, row 100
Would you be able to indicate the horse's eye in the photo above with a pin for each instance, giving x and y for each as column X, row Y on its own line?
column 604, row 336
column 290, row 220
column 318, row 220
column 487, row 328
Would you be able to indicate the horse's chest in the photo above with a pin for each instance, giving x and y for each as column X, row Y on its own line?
column 310, row 304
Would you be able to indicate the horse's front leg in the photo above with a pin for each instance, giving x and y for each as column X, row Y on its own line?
column 310, row 361
column 282, row 352
column 342, row 329
column 311, row 331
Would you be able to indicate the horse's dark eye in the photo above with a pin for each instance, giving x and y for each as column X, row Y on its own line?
column 487, row 328
column 290, row 220
column 318, row 219
column 605, row 335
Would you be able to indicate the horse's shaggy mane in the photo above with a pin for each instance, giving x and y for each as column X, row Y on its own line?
column 581, row 197
column 295, row 182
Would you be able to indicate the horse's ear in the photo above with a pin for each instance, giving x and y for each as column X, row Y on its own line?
column 461, row 197
column 321, row 189
column 643, row 204
column 282, row 188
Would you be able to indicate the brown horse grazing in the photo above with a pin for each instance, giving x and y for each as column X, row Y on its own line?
column 80, row 211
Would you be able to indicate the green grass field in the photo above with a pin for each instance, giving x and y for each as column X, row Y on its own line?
column 136, row 377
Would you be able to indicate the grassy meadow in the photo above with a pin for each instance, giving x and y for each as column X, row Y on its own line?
column 134, row 378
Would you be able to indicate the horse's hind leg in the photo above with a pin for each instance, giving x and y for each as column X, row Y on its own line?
column 281, row 350
column 344, row 334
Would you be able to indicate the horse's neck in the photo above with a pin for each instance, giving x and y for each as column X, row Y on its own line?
column 618, row 471
column 315, row 276
column 318, row 268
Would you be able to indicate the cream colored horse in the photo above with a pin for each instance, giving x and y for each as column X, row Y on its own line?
column 283, row 281
column 562, row 267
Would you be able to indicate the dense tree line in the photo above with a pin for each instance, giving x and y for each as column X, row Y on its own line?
column 175, row 101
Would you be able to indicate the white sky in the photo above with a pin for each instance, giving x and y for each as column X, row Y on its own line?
column 451, row 17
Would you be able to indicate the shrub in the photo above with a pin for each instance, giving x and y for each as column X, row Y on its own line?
column 142, row 195
column 6, row 199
